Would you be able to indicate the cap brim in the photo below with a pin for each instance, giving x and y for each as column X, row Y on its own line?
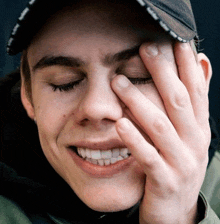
column 37, row 14
column 170, row 24
column 30, row 24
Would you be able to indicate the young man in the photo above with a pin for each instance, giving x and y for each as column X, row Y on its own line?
column 121, row 108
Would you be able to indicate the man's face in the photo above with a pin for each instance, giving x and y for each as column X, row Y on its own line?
column 73, row 61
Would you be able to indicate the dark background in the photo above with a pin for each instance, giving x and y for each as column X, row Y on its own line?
column 207, row 14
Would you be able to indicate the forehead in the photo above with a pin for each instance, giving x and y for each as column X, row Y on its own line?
column 98, row 23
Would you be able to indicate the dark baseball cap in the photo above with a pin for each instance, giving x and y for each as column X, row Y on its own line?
column 174, row 16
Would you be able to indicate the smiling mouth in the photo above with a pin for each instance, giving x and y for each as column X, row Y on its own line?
column 103, row 157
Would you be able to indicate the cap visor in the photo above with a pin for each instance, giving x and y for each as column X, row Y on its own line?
column 170, row 24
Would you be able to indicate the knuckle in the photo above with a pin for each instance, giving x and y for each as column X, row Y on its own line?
column 178, row 100
column 172, row 187
column 160, row 125
column 200, row 92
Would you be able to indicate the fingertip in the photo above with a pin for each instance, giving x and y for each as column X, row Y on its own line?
column 185, row 46
column 182, row 48
column 184, row 54
column 120, row 82
column 149, row 50
column 123, row 125
column 182, row 45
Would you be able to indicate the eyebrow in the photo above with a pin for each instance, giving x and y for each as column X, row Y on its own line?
column 66, row 61
column 121, row 56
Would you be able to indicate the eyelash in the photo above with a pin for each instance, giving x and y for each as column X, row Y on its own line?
column 66, row 87
column 70, row 86
column 139, row 81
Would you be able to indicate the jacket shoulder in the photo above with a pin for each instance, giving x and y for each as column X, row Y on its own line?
column 211, row 184
column 11, row 212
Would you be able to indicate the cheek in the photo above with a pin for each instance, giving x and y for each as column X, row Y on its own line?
column 52, row 113
column 49, row 116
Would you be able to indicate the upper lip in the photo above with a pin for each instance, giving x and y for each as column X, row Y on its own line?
column 98, row 145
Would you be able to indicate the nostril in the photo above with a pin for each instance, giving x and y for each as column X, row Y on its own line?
column 84, row 122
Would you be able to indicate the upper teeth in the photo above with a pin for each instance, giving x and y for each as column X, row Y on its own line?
column 112, row 155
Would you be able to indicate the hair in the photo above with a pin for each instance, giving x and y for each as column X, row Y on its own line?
column 26, row 74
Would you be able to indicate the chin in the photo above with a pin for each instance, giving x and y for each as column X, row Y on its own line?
column 113, row 193
column 113, row 206
column 113, row 201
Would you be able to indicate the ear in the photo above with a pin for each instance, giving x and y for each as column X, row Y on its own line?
column 26, row 101
column 206, row 68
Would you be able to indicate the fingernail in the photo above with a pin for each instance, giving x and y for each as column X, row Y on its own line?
column 151, row 50
column 122, row 82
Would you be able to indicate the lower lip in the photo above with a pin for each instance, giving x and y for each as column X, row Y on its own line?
column 101, row 171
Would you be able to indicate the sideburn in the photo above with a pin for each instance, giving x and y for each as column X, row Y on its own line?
column 25, row 73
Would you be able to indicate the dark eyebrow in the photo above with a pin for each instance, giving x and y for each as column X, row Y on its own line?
column 48, row 61
column 66, row 61
column 120, row 56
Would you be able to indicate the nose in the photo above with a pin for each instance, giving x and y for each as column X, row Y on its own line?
column 100, row 105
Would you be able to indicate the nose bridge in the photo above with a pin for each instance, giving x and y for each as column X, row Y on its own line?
column 100, row 102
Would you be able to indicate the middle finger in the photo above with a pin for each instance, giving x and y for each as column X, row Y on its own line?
column 175, row 96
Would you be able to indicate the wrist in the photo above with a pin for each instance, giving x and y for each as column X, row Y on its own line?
column 193, row 217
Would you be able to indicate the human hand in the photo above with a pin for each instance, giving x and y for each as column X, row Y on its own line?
column 175, row 161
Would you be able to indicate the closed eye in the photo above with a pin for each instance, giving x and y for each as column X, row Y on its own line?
column 66, row 87
column 139, row 81
column 140, row 75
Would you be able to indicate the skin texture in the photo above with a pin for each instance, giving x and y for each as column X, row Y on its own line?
column 163, row 121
